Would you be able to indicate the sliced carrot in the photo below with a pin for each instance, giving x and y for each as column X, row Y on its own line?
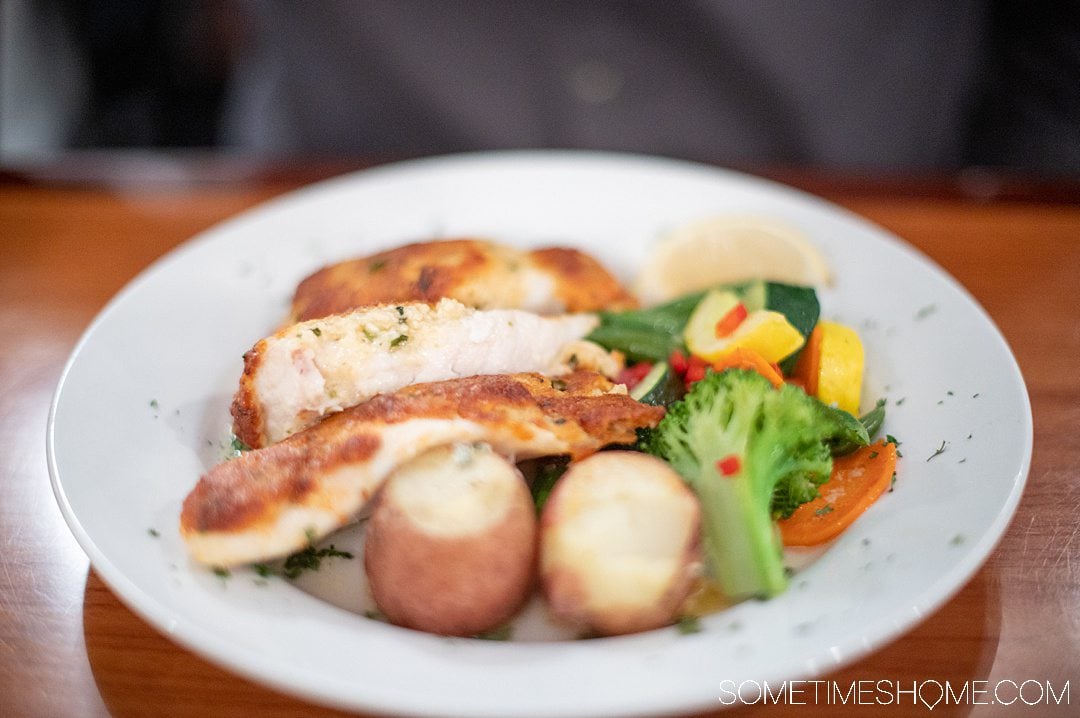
column 857, row 480
column 742, row 358
column 808, row 365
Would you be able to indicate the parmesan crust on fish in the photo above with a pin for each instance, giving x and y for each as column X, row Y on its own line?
column 271, row 502
column 306, row 371
column 476, row 272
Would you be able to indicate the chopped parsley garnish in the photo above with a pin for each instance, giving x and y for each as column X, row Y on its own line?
column 957, row 539
column 316, row 331
column 222, row 572
column 688, row 624
column 502, row 633
column 262, row 569
column 873, row 454
column 824, row 510
column 926, row 311
column 376, row 265
column 400, row 312
column 901, row 400
column 399, row 340
column 153, row 532
column 153, row 403
column 558, row 385
column 238, row 446
column 939, row 451
column 310, row 559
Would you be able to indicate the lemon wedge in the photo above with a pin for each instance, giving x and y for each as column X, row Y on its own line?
column 766, row 332
column 721, row 250
column 840, row 368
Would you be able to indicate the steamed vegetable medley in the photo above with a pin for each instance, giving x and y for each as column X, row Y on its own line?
column 633, row 468
column 762, row 397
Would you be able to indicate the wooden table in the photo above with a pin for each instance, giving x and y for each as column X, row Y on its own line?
column 73, row 232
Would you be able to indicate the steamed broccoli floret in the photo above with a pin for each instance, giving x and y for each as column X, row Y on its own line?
column 752, row 453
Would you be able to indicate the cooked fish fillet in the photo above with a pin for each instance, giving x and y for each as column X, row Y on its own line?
column 272, row 502
column 306, row 371
column 476, row 272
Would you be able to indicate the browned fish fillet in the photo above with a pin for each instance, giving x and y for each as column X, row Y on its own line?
column 477, row 273
column 271, row 502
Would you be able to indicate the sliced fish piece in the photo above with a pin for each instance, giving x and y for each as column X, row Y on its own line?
column 271, row 502
column 309, row 370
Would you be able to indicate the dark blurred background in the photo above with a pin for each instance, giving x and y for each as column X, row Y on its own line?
column 882, row 85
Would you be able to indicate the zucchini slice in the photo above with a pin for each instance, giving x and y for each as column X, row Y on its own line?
column 660, row 387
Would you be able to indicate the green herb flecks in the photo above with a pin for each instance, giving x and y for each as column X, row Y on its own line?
column 399, row 340
column 890, row 439
column 222, row 572
column 310, row 559
column 153, row 532
column 263, row 570
column 687, row 625
column 316, row 331
column 502, row 633
column 939, row 451
column 376, row 265
column 824, row 510
column 236, row 447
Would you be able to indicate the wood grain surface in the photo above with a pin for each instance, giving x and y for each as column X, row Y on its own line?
column 71, row 236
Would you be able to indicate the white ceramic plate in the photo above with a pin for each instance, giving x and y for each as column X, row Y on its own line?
column 141, row 411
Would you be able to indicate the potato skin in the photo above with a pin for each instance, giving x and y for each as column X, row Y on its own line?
column 454, row 585
column 634, row 502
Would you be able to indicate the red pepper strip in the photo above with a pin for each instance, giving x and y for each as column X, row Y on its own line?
column 731, row 321
column 632, row 375
column 695, row 370
column 677, row 360
column 729, row 465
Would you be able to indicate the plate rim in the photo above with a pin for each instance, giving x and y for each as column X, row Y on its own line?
column 933, row 597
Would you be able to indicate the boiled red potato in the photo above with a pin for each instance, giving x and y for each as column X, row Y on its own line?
column 619, row 546
column 451, row 542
